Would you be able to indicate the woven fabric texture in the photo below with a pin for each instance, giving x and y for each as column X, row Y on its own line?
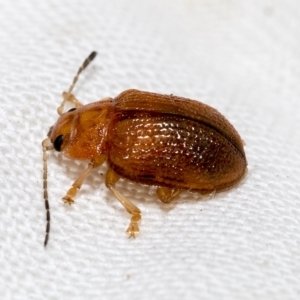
column 241, row 57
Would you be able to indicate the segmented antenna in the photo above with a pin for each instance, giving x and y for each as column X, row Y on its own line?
column 46, row 146
column 67, row 96
column 83, row 66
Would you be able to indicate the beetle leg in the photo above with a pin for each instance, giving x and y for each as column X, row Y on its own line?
column 166, row 195
column 72, row 192
column 110, row 180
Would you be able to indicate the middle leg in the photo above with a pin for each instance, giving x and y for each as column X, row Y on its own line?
column 110, row 180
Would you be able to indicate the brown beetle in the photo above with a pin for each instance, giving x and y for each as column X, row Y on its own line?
column 170, row 142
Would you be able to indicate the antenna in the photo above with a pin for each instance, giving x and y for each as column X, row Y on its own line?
column 83, row 66
column 46, row 144
column 67, row 96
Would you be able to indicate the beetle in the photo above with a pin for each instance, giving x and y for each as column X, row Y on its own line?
column 170, row 142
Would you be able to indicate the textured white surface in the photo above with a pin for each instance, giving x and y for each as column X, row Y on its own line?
column 242, row 57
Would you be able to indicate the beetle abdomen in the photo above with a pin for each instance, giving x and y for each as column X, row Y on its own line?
column 173, row 151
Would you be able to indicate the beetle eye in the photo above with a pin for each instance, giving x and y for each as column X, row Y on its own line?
column 72, row 109
column 58, row 142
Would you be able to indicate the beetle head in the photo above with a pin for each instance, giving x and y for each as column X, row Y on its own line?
column 60, row 132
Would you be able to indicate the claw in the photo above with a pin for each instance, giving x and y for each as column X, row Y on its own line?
column 68, row 200
column 133, row 228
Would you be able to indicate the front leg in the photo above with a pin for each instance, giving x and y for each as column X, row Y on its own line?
column 110, row 180
column 72, row 192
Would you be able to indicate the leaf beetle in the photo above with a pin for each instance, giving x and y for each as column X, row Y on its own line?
column 170, row 142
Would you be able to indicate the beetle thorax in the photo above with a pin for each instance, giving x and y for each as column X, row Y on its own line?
column 82, row 132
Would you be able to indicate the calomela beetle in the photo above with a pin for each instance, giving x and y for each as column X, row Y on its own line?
column 170, row 142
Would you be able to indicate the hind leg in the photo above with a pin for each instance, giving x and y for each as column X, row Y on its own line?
column 167, row 195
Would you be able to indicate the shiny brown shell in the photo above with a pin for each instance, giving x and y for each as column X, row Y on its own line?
column 173, row 142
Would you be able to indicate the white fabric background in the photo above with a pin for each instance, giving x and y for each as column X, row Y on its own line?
column 241, row 57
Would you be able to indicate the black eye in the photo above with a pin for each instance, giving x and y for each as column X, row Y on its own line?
column 72, row 109
column 58, row 142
